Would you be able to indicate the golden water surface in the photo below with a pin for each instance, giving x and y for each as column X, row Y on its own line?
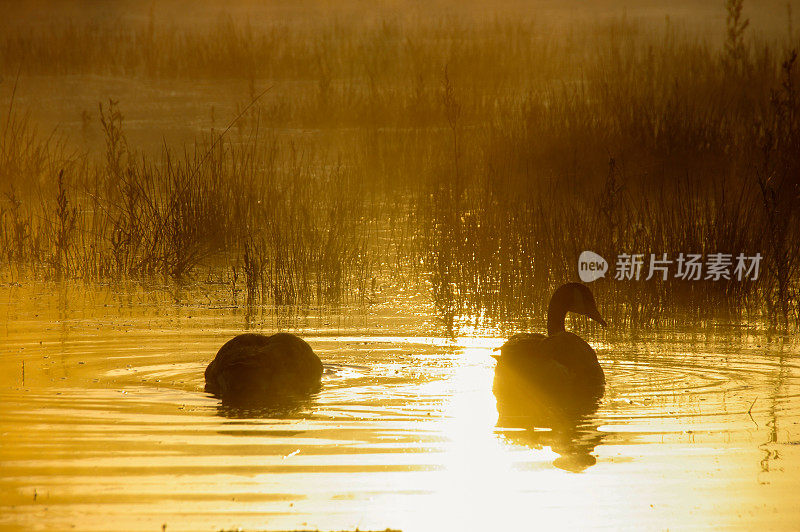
column 104, row 425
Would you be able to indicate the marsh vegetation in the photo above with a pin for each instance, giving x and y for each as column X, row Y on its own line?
column 475, row 156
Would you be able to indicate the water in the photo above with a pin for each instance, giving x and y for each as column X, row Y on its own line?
column 104, row 425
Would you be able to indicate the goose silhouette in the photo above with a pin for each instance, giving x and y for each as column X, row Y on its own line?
column 255, row 368
column 554, row 377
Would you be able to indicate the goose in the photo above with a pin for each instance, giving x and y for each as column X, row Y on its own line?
column 557, row 372
column 256, row 368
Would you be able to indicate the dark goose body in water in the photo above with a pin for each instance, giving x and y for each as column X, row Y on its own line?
column 551, row 379
column 253, row 368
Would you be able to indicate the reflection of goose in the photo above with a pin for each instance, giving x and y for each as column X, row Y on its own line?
column 553, row 381
column 574, row 442
column 558, row 366
column 254, row 368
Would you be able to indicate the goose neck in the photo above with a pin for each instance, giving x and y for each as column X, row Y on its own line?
column 556, row 313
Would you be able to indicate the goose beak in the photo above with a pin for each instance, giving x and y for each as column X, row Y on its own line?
column 595, row 315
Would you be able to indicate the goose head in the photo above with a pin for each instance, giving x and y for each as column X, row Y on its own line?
column 571, row 297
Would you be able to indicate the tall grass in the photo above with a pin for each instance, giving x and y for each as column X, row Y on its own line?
column 664, row 146
column 489, row 152
column 284, row 217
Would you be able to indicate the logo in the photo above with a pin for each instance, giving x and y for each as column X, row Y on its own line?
column 686, row 266
column 591, row 266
